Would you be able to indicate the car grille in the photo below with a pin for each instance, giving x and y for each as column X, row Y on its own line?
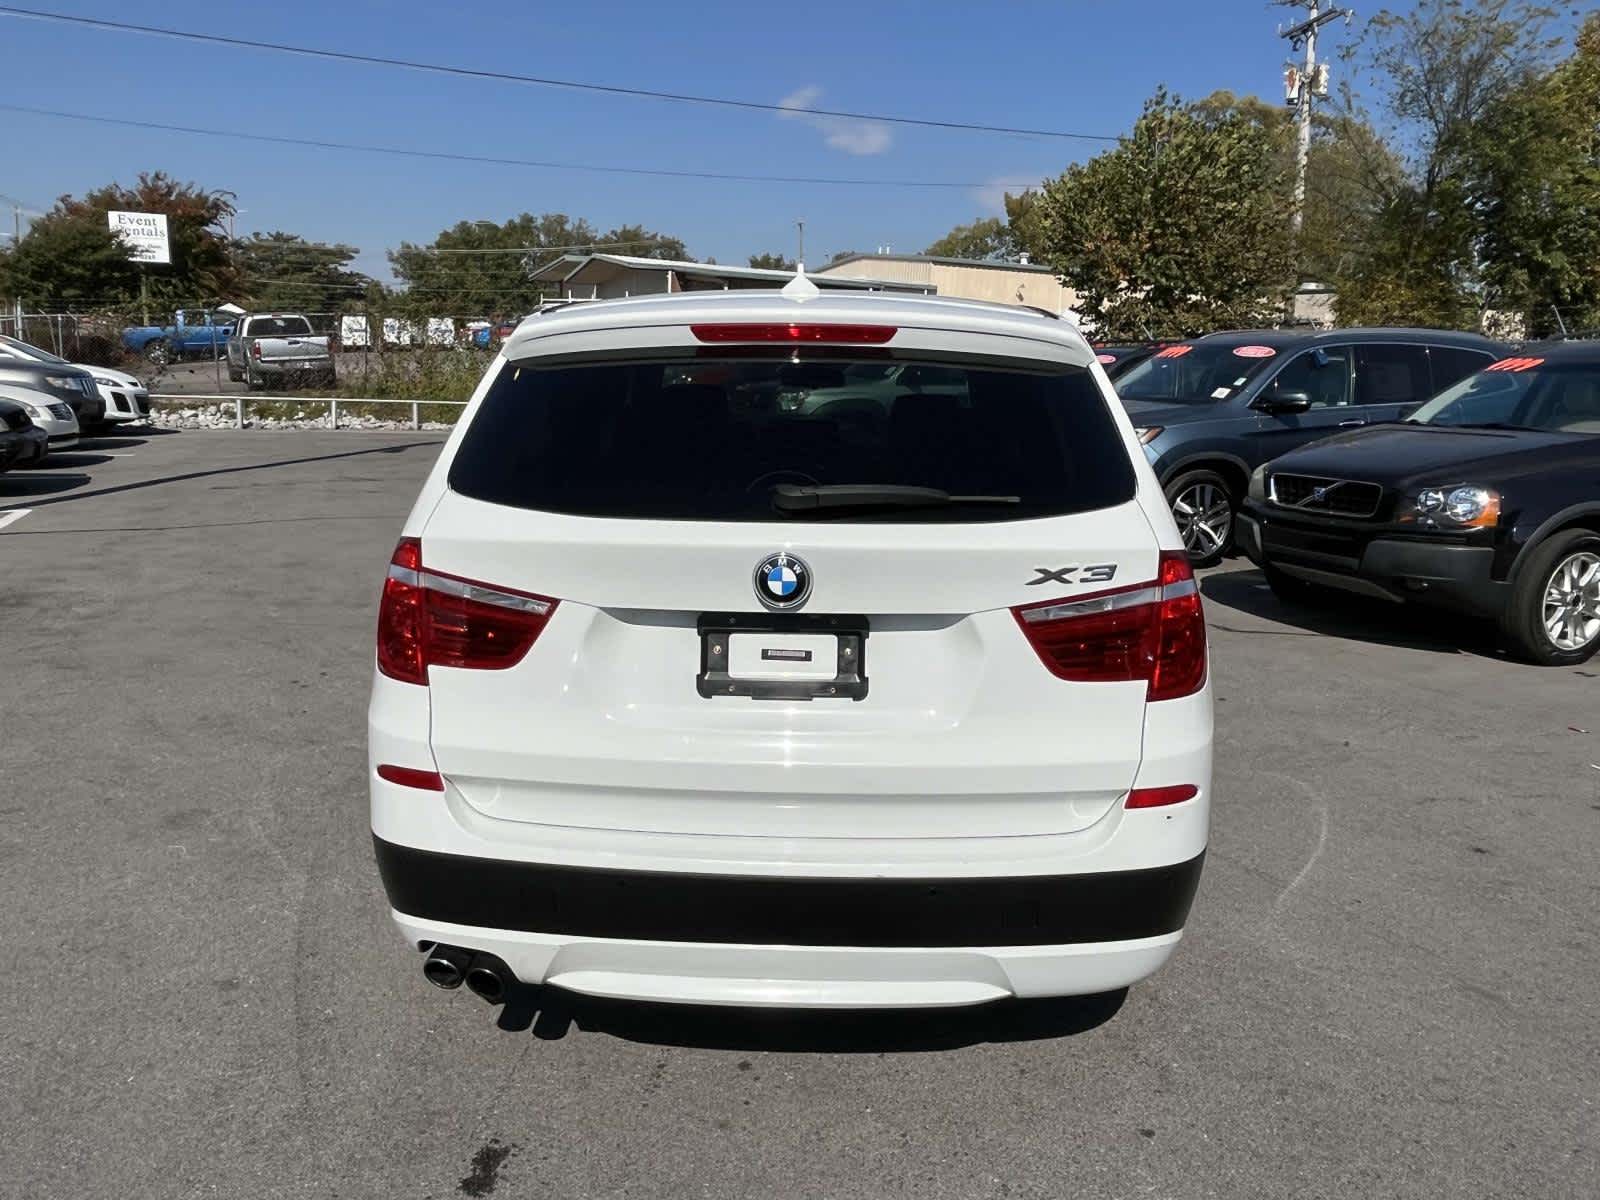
column 1339, row 497
column 61, row 412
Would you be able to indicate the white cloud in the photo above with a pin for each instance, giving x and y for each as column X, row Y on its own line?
column 841, row 133
column 991, row 197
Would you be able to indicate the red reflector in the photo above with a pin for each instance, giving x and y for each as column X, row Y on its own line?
column 853, row 335
column 428, row 781
column 428, row 618
column 1152, row 631
column 1157, row 797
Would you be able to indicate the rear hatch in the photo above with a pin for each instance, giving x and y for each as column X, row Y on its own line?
column 778, row 598
column 277, row 338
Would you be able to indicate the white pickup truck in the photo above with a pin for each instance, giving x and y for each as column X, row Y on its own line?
column 280, row 348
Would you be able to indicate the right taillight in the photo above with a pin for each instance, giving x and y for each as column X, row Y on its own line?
column 430, row 619
column 1153, row 631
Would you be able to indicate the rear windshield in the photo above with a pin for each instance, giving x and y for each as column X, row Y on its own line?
column 1194, row 373
column 710, row 440
column 279, row 327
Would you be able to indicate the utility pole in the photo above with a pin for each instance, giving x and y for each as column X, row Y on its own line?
column 1303, row 84
column 16, row 241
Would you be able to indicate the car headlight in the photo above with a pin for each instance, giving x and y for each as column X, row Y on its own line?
column 64, row 381
column 104, row 382
column 33, row 410
column 1148, row 433
column 1465, row 507
column 1258, row 483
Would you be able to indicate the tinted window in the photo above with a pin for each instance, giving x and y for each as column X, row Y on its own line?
column 699, row 440
column 1194, row 372
column 1392, row 375
column 1451, row 363
column 1558, row 398
column 1323, row 374
column 279, row 327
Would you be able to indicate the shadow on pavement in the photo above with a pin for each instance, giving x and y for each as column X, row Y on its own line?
column 552, row 1014
column 120, row 441
column 398, row 448
column 1330, row 613
column 72, row 458
column 23, row 485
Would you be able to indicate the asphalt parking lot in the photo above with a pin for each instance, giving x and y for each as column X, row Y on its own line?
column 1390, row 985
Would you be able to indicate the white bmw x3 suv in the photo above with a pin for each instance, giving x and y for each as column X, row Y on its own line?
column 689, row 688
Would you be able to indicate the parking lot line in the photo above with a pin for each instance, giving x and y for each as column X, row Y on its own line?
column 12, row 515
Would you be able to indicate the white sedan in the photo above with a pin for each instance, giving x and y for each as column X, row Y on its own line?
column 126, row 397
column 55, row 417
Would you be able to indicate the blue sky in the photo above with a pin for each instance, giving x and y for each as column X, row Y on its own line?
column 1083, row 65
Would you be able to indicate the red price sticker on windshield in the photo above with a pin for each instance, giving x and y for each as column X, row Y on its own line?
column 1514, row 364
column 1253, row 351
column 1174, row 352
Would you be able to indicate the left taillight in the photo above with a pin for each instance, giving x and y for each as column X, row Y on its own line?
column 430, row 619
column 1153, row 631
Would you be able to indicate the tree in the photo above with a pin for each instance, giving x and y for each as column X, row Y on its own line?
column 481, row 268
column 1025, row 220
column 986, row 238
column 1180, row 228
column 70, row 255
column 69, row 264
column 1532, row 167
column 1438, row 71
column 638, row 242
column 772, row 262
column 284, row 271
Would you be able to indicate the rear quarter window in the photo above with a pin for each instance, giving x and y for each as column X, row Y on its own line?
column 708, row 440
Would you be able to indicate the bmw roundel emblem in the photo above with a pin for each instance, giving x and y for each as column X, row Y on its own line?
column 782, row 581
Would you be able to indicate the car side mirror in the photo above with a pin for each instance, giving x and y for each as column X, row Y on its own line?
column 1277, row 403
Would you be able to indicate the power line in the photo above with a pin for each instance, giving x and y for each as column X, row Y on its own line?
column 407, row 152
column 508, row 77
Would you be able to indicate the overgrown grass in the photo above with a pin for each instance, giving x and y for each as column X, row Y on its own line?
column 445, row 373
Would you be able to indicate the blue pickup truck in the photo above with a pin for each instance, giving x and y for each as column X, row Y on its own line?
column 194, row 335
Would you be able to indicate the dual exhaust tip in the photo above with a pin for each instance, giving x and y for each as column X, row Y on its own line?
column 485, row 975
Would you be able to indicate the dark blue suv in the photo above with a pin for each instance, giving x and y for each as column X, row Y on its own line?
column 1211, row 410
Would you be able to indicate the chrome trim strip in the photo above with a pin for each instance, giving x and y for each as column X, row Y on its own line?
column 1096, row 604
column 484, row 595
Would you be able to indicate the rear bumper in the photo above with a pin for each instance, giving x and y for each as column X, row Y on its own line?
column 804, row 976
column 876, row 912
column 312, row 366
column 1389, row 568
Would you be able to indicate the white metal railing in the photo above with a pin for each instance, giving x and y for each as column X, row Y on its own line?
column 332, row 402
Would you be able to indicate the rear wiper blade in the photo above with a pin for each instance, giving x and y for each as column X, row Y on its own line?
column 795, row 498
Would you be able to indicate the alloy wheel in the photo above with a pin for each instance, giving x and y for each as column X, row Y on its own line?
column 1205, row 518
column 1571, row 610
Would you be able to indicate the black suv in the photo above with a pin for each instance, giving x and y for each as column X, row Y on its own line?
column 1211, row 410
column 1487, row 500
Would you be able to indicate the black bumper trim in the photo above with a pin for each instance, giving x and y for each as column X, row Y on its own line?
column 1448, row 574
column 1037, row 910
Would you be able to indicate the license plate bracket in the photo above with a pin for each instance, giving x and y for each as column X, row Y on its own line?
column 850, row 674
